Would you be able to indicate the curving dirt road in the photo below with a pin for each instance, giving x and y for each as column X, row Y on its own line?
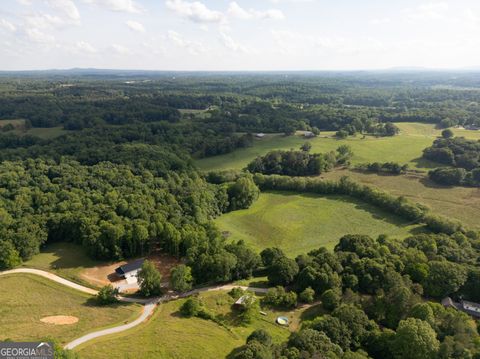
column 149, row 304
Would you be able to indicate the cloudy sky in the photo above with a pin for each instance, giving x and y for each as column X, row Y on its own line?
column 239, row 35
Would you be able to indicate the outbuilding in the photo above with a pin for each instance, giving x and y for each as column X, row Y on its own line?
column 130, row 270
column 260, row 135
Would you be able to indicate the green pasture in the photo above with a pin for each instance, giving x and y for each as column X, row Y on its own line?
column 298, row 223
column 405, row 148
column 168, row 335
column 65, row 259
column 460, row 203
column 25, row 299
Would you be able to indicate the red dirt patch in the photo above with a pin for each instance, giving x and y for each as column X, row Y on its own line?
column 105, row 274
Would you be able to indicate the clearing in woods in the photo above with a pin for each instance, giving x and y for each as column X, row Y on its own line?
column 298, row 223
column 405, row 148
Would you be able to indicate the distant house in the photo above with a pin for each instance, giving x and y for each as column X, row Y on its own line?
column 260, row 135
column 130, row 270
column 470, row 308
column 472, row 127
column 308, row 134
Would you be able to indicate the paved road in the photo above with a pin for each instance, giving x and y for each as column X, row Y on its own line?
column 53, row 277
column 149, row 304
column 147, row 311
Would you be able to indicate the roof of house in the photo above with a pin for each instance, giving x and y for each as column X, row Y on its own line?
column 130, row 267
column 471, row 308
column 243, row 299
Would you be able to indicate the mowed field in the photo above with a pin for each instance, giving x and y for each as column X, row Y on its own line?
column 168, row 335
column 45, row 133
column 298, row 223
column 68, row 260
column 25, row 299
column 460, row 203
column 406, row 148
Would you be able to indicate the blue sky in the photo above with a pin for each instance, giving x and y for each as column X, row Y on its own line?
column 239, row 35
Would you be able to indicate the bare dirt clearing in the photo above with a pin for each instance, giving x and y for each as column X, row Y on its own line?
column 60, row 320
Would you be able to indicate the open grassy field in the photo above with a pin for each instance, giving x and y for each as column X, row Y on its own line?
column 461, row 203
column 25, row 299
column 404, row 148
column 47, row 133
column 15, row 122
column 168, row 335
column 65, row 259
column 298, row 223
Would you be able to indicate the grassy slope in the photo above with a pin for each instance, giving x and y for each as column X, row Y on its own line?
column 461, row 203
column 169, row 335
column 404, row 148
column 25, row 299
column 298, row 223
column 65, row 259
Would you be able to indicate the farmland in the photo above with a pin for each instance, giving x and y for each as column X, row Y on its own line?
column 461, row 203
column 299, row 223
column 26, row 299
column 186, row 337
column 405, row 148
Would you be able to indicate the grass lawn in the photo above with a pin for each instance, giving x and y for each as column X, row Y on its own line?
column 25, row 299
column 461, row 203
column 169, row 335
column 298, row 223
column 65, row 259
column 404, row 148
column 14, row 122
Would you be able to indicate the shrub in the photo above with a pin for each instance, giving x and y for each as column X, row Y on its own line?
column 107, row 295
column 307, row 295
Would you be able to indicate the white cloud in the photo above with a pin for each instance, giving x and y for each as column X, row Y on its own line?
column 43, row 21
column 67, row 7
column 231, row 44
column 380, row 21
column 193, row 47
column 195, row 11
column 238, row 12
column 25, row 2
column 38, row 36
column 135, row 26
column 429, row 11
column 121, row 50
column 7, row 25
column 130, row 6
column 85, row 47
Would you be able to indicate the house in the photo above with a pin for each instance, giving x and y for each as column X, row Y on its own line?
column 260, row 135
column 130, row 270
column 470, row 308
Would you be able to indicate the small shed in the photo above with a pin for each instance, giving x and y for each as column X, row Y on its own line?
column 241, row 302
column 130, row 270
column 260, row 135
